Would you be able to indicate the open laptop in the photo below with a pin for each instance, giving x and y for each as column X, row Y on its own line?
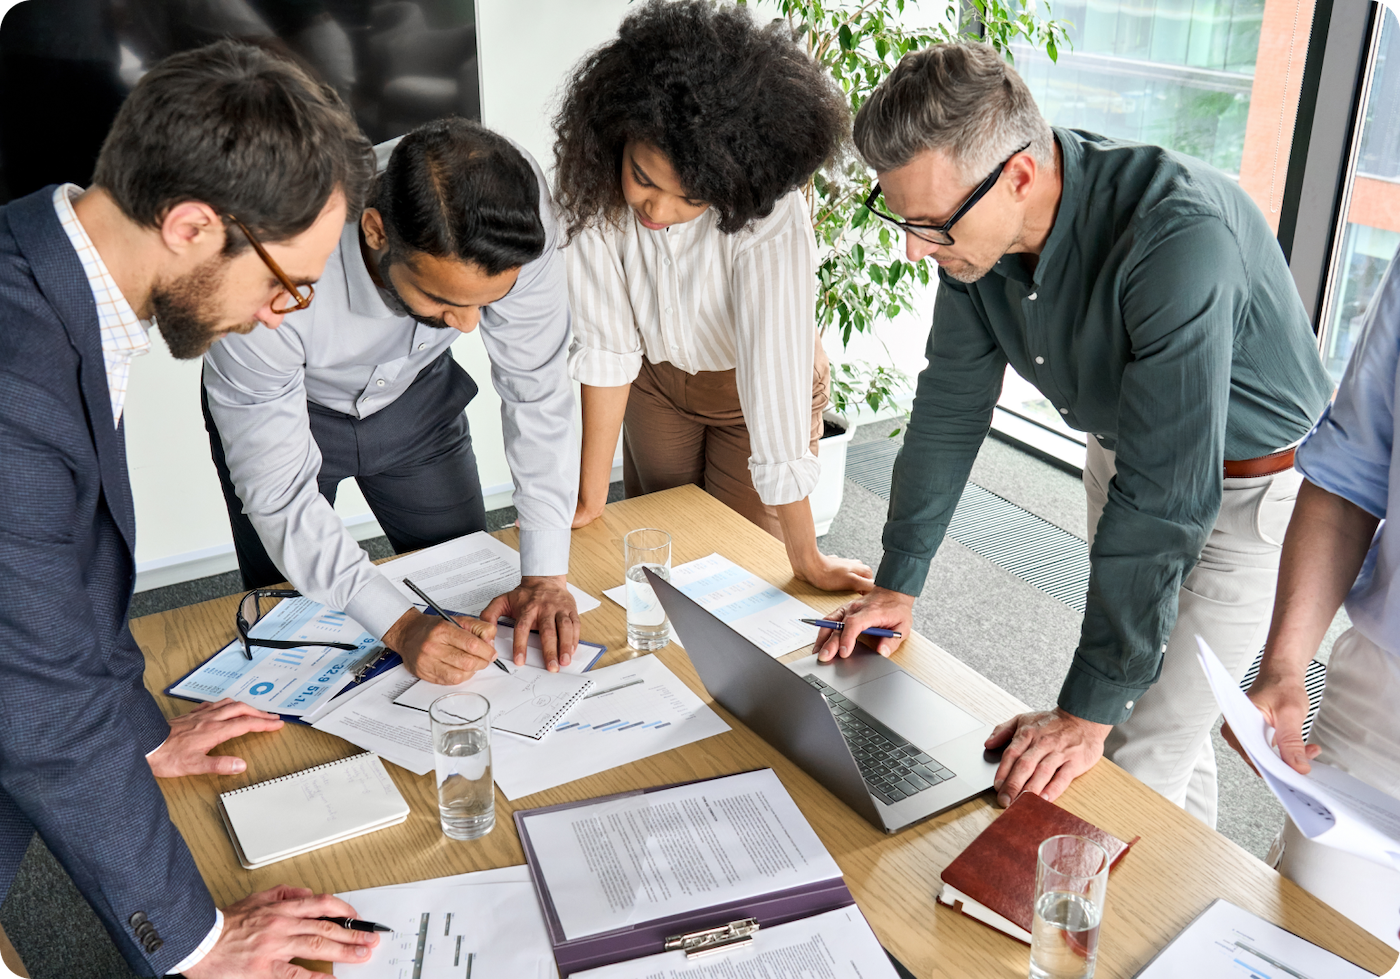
column 880, row 740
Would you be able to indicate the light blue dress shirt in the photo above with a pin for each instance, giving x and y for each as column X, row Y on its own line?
column 1351, row 452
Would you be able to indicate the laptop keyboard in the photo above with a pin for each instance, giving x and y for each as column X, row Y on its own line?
column 893, row 768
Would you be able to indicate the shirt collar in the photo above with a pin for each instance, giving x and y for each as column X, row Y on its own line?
column 121, row 330
column 1071, row 163
column 361, row 294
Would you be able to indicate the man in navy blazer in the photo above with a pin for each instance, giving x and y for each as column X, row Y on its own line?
column 219, row 194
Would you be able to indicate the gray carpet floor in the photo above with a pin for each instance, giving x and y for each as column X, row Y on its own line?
column 1006, row 629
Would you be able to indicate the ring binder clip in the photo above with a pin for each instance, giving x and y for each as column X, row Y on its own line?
column 362, row 670
column 736, row 934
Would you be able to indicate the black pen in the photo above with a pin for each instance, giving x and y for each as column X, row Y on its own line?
column 355, row 924
column 443, row 615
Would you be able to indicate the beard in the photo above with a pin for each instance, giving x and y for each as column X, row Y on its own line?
column 965, row 272
column 186, row 311
column 385, row 264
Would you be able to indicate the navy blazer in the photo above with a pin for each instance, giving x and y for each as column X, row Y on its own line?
column 76, row 721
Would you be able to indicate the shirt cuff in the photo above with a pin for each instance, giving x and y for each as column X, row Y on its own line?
column 1087, row 695
column 903, row 573
column 785, row 482
column 377, row 606
column 204, row 947
column 544, row 552
column 603, row 368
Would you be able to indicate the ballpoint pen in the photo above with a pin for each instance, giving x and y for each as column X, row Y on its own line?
column 840, row 626
column 447, row 618
column 355, row 924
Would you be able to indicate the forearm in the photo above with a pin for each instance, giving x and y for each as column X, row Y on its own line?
column 799, row 534
column 603, row 409
column 1327, row 541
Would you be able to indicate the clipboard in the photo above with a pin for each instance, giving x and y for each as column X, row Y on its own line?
column 705, row 930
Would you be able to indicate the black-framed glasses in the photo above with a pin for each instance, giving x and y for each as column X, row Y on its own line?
column 938, row 235
column 293, row 291
column 250, row 611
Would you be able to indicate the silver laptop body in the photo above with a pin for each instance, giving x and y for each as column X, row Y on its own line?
column 824, row 716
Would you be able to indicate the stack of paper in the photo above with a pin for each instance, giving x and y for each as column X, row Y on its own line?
column 527, row 700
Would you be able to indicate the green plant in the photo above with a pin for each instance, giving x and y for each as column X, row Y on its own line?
column 863, row 276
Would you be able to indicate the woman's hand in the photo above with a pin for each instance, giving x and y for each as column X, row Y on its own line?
column 830, row 573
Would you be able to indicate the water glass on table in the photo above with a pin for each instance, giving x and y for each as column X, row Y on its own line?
column 1071, row 882
column 461, row 725
column 649, row 549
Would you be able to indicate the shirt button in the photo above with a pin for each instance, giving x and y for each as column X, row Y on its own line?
column 1128, row 705
column 666, row 262
column 1033, row 295
column 1040, row 360
column 1164, row 647
column 422, row 346
column 1063, row 411
column 668, row 309
column 380, row 382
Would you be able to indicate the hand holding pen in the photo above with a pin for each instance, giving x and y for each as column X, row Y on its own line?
column 442, row 649
column 884, row 615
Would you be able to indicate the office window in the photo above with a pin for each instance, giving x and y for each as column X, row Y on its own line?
column 1371, row 234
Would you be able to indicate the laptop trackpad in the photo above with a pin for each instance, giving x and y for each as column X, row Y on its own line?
column 912, row 709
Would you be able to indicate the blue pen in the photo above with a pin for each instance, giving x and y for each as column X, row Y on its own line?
column 839, row 626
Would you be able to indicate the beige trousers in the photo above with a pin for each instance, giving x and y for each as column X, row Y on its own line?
column 1358, row 730
column 689, row 428
column 1227, row 599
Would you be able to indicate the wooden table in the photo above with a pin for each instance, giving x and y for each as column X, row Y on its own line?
column 1176, row 870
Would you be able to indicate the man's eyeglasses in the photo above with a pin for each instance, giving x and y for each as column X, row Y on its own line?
column 250, row 611
column 299, row 301
column 938, row 235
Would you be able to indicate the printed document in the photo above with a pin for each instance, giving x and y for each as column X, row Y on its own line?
column 836, row 945
column 763, row 613
column 636, row 709
column 526, row 701
column 1329, row 806
column 368, row 717
column 464, row 574
column 645, row 856
column 286, row 681
column 486, row 925
column 1226, row 942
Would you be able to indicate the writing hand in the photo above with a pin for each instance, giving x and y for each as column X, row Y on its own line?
column 195, row 734
column 543, row 603
column 438, row 651
column 1045, row 752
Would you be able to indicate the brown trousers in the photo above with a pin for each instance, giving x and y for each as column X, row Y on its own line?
column 688, row 428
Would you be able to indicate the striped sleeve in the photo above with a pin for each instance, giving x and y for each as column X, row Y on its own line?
column 775, row 295
column 607, row 346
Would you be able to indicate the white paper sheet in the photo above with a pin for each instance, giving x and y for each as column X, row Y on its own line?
column 586, row 654
column 368, row 717
column 526, row 701
column 464, row 574
column 648, row 856
column 836, row 945
column 1329, row 806
column 482, row 926
column 1227, row 942
column 285, row 681
column 636, row 709
column 765, row 614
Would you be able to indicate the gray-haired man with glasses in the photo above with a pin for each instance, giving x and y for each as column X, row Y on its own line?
column 1144, row 294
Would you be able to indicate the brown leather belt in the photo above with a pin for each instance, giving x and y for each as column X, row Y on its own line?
column 1268, row 465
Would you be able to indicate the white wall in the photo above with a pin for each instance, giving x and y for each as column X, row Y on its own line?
column 526, row 47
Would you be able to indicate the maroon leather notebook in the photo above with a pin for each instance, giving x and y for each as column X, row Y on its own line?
column 998, row 868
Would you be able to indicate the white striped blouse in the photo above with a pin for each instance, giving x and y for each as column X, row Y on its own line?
column 706, row 301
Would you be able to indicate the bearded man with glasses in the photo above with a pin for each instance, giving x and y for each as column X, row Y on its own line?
column 1144, row 294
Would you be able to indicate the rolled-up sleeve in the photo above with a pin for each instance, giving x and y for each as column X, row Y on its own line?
column 607, row 347
column 774, row 284
column 257, row 396
column 1348, row 452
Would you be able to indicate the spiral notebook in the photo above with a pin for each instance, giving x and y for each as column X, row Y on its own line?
column 295, row 814
column 527, row 701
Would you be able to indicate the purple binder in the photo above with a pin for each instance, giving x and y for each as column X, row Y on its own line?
column 649, row 937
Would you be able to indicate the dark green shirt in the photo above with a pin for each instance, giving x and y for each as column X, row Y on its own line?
column 1161, row 317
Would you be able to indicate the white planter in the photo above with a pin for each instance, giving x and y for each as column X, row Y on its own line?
column 831, row 485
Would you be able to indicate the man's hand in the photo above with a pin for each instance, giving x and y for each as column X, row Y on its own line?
column 265, row 931
column 1045, row 751
column 438, row 651
column 837, row 574
column 1283, row 700
column 193, row 735
column 542, row 603
column 881, row 609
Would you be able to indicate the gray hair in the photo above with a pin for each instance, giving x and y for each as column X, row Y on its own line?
column 960, row 98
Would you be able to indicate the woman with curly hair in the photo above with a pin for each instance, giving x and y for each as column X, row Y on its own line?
column 681, row 147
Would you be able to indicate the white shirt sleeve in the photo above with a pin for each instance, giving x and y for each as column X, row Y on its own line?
column 607, row 346
column 204, row 947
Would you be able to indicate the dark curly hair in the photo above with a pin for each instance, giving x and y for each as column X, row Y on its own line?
column 741, row 112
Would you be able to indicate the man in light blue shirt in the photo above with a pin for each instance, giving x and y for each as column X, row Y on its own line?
column 1334, row 552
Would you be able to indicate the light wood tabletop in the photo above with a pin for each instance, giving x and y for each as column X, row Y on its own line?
column 1169, row 877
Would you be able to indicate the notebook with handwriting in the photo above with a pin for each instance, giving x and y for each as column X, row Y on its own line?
column 285, row 817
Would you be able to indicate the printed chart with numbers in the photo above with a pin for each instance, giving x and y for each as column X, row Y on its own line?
column 285, row 681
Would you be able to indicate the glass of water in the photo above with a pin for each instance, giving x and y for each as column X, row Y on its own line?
column 1071, row 882
column 462, row 756
column 650, row 549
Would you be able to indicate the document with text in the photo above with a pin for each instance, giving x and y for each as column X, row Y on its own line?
column 633, row 859
column 836, row 945
column 367, row 716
